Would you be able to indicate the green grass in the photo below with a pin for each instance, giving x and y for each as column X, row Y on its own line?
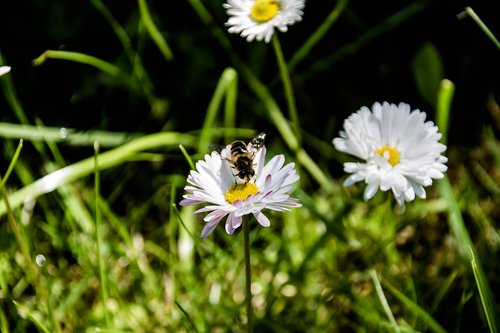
column 121, row 255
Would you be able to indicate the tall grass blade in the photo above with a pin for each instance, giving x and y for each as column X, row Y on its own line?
column 317, row 35
column 227, row 80
column 32, row 317
column 11, row 164
column 434, row 326
column 465, row 246
column 383, row 301
column 188, row 317
column 11, row 96
column 287, row 88
column 153, row 31
column 82, row 58
column 139, row 71
column 469, row 11
column 486, row 298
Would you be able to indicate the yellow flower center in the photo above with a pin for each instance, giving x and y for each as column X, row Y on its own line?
column 264, row 10
column 240, row 191
column 390, row 154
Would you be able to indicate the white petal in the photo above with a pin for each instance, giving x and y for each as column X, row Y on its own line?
column 399, row 128
column 4, row 70
column 290, row 11
column 370, row 191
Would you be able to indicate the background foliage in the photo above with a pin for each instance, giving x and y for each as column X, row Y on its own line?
column 317, row 268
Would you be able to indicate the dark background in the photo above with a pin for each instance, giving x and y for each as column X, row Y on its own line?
column 73, row 95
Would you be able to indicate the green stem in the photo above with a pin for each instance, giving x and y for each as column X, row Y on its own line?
column 248, row 275
column 287, row 86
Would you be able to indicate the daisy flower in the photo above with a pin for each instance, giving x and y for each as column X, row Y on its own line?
column 216, row 183
column 399, row 148
column 256, row 19
column 4, row 70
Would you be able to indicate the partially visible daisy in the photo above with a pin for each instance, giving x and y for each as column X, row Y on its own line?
column 256, row 19
column 4, row 70
column 214, row 183
column 399, row 148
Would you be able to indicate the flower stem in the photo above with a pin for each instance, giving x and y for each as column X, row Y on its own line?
column 248, row 275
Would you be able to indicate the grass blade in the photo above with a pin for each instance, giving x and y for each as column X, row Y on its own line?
column 11, row 164
column 82, row 58
column 153, row 31
column 415, row 308
column 469, row 11
column 31, row 316
column 383, row 301
column 69, row 136
column 485, row 295
column 228, row 79
column 465, row 247
column 317, row 35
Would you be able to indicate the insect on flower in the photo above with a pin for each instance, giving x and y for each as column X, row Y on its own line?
column 242, row 157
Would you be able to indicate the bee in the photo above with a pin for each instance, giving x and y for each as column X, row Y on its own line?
column 242, row 156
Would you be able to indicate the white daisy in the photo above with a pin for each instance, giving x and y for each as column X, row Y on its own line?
column 401, row 150
column 256, row 19
column 213, row 182
column 4, row 70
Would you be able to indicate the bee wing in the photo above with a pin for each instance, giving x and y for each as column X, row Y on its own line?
column 258, row 142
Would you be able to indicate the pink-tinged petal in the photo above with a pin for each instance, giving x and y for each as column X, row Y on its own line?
column 208, row 229
column 215, row 215
column 262, row 219
column 211, row 208
column 236, row 221
column 189, row 202
column 230, row 223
